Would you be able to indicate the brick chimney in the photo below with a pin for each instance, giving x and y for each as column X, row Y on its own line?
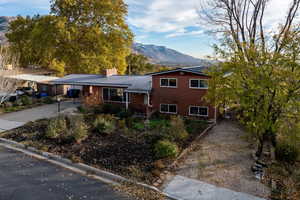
column 110, row 72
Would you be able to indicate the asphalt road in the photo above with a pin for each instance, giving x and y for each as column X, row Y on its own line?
column 26, row 178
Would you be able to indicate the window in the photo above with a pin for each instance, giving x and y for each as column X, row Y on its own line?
column 198, row 111
column 198, row 84
column 168, row 82
column 168, row 108
column 114, row 95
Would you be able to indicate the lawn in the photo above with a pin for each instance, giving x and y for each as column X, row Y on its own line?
column 118, row 142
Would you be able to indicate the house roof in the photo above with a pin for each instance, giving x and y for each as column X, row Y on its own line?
column 200, row 70
column 131, row 83
column 33, row 78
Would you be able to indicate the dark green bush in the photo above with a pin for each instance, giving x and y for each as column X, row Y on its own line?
column 83, row 109
column 165, row 149
column 124, row 114
column 47, row 100
column 26, row 100
column 111, row 109
column 194, row 126
column 287, row 152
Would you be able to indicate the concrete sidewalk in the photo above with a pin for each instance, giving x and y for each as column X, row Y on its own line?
column 188, row 189
column 16, row 119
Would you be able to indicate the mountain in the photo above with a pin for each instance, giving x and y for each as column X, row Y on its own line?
column 165, row 56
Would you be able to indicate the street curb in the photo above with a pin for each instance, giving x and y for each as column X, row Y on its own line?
column 79, row 168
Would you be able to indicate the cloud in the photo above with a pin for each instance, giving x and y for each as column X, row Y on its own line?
column 24, row 7
column 167, row 16
column 185, row 33
column 173, row 17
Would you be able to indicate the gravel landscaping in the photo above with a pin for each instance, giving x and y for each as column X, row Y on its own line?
column 223, row 158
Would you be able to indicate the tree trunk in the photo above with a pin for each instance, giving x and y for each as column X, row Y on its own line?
column 267, row 143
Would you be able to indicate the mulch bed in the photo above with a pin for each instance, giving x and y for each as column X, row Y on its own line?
column 127, row 157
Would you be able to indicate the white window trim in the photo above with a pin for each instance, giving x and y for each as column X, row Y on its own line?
column 107, row 101
column 168, row 86
column 199, row 88
column 168, row 109
column 198, row 108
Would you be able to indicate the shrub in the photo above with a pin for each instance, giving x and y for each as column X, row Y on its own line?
column 139, row 126
column 56, row 128
column 26, row 100
column 177, row 129
column 47, row 100
column 165, row 149
column 105, row 124
column 194, row 126
column 158, row 123
column 18, row 102
column 124, row 114
column 78, row 130
column 287, row 152
column 111, row 109
column 83, row 109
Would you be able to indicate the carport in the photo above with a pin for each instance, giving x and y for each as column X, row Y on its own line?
column 40, row 83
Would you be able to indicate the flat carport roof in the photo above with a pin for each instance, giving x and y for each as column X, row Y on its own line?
column 34, row 78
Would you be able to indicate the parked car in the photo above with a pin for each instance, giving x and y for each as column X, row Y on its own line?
column 12, row 97
column 27, row 90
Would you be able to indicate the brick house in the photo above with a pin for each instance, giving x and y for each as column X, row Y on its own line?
column 177, row 91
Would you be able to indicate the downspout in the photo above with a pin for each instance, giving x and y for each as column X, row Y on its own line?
column 148, row 96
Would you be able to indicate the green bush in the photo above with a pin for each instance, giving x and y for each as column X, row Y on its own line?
column 158, row 123
column 56, row 128
column 165, row 149
column 78, row 130
column 287, row 152
column 26, row 100
column 83, row 109
column 195, row 126
column 139, row 126
column 18, row 102
column 47, row 100
column 105, row 124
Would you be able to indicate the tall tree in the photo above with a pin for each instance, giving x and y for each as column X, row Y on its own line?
column 78, row 37
column 138, row 64
column 262, row 72
column 8, row 67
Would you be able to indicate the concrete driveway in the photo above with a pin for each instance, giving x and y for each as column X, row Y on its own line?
column 16, row 119
column 26, row 178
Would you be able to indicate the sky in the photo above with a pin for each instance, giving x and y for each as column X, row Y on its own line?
column 171, row 23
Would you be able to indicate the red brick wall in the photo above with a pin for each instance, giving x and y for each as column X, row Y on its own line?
column 183, row 96
column 137, row 103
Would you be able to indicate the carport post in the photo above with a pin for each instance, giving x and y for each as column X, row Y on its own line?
column 127, row 103
column 56, row 91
